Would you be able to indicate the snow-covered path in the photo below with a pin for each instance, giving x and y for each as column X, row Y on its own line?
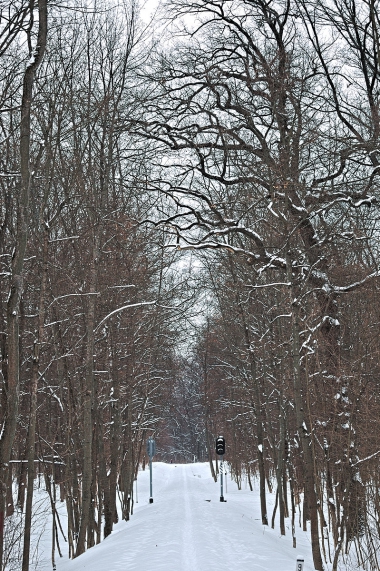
column 187, row 528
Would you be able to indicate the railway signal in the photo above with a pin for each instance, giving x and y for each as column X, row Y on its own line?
column 220, row 449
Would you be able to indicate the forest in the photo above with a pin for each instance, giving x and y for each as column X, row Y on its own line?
column 189, row 246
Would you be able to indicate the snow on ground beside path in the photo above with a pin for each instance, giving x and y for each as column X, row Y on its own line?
column 187, row 528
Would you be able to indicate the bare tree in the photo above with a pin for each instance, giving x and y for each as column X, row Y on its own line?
column 11, row 392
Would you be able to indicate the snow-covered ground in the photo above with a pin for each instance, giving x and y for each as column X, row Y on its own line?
column 187, row 528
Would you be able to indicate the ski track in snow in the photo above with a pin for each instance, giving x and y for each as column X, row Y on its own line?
column 189, row 555
column 187, row 528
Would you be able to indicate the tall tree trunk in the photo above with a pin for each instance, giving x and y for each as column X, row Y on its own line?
column 13, row 306
column 88, row 403
column 258, row 401
column 209, row 454
column 31, row 440
column 260, row 438
column 303, row 431
column 280, row 469
column 110, row 511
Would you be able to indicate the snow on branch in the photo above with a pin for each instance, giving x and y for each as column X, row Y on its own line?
column 288, row 284
column 122, row 308
column 355, row 285
column 325, row 319
column 72, row 295
column 62, row 239
column 367, row 458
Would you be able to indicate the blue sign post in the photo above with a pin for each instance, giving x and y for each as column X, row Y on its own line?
column 151, row 450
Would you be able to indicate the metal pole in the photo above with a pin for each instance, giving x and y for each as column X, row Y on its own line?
column 221, row 479
column 151, row 485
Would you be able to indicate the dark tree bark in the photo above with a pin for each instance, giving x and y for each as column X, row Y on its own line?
column 31, row 439
column 13, row 306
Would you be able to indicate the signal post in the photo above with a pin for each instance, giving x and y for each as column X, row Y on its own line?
column 220, row 448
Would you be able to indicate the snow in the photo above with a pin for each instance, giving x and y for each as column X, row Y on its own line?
column 187, row 528
column 129, row 306
column 368, row 201
column 271, row 209
column 32, row 59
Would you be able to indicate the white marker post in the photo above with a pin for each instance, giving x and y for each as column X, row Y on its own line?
column 300, row 562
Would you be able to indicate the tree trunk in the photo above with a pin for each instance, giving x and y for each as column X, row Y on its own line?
column 304, row 433
column 88, row 404
column 13, row 306
column 209, row 454
column 280, row 471
column 31, row 440
column 257, row 405
column 110, row 505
